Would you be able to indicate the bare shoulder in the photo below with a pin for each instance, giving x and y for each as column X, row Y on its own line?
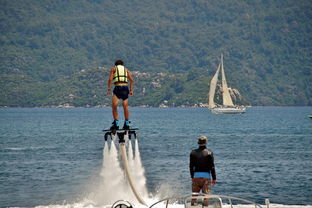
column 113, row 69
column 128, row 71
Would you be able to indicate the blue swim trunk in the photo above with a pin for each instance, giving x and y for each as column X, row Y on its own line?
column 202, row 175
column 122, row 92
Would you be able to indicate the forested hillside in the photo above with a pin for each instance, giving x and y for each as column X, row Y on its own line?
column 59, row 51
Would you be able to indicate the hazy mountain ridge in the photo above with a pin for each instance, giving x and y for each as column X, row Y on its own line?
column 266, row 47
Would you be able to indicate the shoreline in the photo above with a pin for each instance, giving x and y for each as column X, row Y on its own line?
column 104, row 106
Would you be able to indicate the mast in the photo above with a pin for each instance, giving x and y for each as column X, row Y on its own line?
column 227, row 100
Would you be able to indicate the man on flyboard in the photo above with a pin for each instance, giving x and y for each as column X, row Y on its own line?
column 120, row 76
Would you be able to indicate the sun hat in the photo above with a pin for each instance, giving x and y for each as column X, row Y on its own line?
column 202, row 140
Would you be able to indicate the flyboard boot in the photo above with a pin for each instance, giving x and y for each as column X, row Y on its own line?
column 115, row 126
column 126, row 125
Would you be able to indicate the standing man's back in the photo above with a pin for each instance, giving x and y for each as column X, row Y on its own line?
column 202, row 168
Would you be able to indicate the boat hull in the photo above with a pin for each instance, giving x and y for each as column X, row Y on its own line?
column 228, row 110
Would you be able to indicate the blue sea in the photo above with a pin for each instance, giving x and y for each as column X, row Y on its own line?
column 51, row 156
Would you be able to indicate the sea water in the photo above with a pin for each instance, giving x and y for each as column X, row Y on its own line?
column 55, row 157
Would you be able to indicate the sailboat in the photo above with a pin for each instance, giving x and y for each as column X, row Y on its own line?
column 227, row 106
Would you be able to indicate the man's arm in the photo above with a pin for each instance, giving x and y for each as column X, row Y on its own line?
column 131, row 82
column 213, row 171
column 110, row 80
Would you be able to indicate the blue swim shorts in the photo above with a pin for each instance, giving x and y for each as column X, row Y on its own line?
column 122, row 92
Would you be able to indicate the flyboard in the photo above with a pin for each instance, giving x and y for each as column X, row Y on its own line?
column 121, row 133
column 109, row 133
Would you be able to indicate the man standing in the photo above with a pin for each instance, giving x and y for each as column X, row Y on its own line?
column 202, row 167
column 119, row 75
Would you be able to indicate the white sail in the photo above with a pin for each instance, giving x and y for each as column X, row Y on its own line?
column 212, row 90
column 227, row 100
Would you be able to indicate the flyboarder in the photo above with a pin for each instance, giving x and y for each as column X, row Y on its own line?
column 120, row 75
column 202, row 168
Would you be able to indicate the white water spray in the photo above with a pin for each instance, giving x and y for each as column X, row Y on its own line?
column 114, row 185
column 130, row 157
column 139, row 171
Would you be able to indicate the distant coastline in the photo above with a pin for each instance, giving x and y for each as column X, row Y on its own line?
column 145, row 106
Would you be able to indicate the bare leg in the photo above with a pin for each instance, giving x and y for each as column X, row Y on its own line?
column 125, row 107
column 115, row 101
